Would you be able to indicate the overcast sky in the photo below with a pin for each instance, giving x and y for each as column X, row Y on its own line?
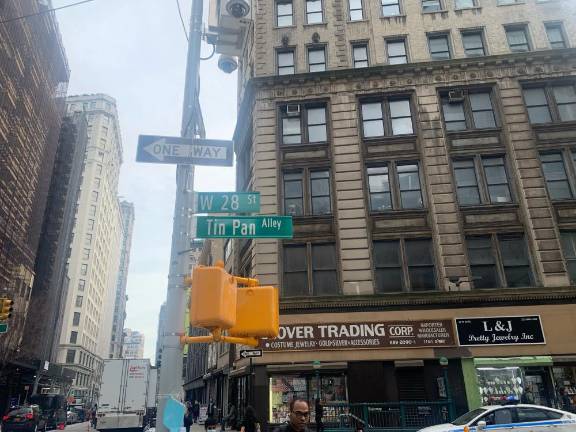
column 135, row 51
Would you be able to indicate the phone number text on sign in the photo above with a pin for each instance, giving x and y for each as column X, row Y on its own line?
column 370, row 335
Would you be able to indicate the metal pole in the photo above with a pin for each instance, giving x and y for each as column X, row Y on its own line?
column 170, row 380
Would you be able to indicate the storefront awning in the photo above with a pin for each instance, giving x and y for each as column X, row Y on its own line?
column 514, row 361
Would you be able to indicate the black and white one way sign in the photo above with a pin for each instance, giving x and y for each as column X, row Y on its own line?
column 186, row 151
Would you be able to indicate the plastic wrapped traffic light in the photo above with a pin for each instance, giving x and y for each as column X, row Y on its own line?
column 6, row 308
column 256, row 312
column 213, row 298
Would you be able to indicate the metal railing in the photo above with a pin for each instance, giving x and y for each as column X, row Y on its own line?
column 386, row 417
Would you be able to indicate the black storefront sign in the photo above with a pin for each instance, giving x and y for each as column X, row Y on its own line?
column 512, row 330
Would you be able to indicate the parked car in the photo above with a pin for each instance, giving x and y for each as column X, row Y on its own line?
column 510, row 418
column 71, row 417
column 53, row 409
column 24, row 419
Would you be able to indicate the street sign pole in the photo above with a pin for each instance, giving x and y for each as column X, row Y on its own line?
column 170, row 380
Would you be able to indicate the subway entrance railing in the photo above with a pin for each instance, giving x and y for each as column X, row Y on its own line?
column 407, row 416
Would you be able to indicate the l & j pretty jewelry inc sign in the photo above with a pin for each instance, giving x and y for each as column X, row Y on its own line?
column 364, row 335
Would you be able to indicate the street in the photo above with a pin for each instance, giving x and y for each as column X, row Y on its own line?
column 86, row 427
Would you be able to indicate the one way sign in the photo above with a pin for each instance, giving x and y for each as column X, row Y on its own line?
column 250, row 353
column 193, row 151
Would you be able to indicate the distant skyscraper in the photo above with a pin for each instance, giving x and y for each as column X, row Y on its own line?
column 161, row 325
column 127, row 213
column 96, row 249
column 133, row 346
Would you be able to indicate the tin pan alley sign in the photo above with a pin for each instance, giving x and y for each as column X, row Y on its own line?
column 367, row 335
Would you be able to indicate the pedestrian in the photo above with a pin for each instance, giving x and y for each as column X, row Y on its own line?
column 211, row 411
column 566, row 400
column 93, row 417
column 318, row 415
column 249, row 423
column 196, row 411
column 188, row 417
column 230, row 419
column 298, row 418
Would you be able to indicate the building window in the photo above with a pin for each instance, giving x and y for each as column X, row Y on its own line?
column 227, row 250
column 404, row 265
column 102, row 143
column 356, row 12
column 473, row 42
column 509, row 2
column 284, row 13
column 394, row 186
column 387, row 117
column 94, row 196
column 286, row 62
column 517, row 38
column 439, row 47
column 551, row 103
column 482, row 180
column 316, row 59
column 98, row 169
column 79, row 301
column 463, row 110
column 70, row 356
column 84, row 269
column 568, row 240
column 555, row 35
column 76, row 319
column 310, row 270
column 81, row 284
column 90, row 224
column 88, row 239
column 431, row 5
column 556, row 176
column 86, row 254
column 73, row 337
column 307, row 192
column 92, row 210
column 390, row 7
column 499, row 261
column 314, row 11
column 464, row 4
column 396, row 50
column 298, row 118
column 360, row 55
column 101, row 156
column 97, row 182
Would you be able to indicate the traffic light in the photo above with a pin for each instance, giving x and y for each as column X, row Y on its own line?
column 5, row 308
column 256, row 312
column 213, row 298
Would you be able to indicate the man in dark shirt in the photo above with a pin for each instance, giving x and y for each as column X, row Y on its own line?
column 298, row 419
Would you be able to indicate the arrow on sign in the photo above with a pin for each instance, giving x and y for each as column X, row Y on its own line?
column 250, row 353
column 175, row 150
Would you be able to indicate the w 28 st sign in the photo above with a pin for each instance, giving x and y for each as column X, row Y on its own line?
column 514, row 330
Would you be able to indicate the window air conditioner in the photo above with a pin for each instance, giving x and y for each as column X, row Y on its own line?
column 456, row 96
column 293, row 110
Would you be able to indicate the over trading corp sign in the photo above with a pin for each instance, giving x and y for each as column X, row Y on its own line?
column 368, row 335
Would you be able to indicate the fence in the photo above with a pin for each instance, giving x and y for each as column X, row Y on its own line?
column 386, row 417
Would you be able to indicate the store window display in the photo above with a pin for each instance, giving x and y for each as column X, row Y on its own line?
column 330, row 389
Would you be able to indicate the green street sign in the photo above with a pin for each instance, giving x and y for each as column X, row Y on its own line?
column 227, row 202
column 244, row 227
column 3, row 328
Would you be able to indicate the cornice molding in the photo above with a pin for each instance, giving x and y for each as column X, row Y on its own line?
column 469, row 71
column 431, row 300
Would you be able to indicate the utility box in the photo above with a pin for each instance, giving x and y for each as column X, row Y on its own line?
column 212, row 298
column 257, row 312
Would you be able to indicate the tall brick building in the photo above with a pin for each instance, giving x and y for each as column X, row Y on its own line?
column 425, row 149
column 33, row 78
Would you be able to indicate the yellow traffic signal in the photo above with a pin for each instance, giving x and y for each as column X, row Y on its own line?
column 213, row 298
column 6, row 308
column 256, row 312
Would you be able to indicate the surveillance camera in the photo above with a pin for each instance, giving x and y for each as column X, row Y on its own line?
column 227, row 64
column 237, row 8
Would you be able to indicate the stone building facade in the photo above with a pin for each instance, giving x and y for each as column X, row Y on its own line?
column 424, row 150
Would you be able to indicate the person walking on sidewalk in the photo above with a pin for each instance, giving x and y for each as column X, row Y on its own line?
column 298, row 419
column 188, row 416
column 249, row 422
